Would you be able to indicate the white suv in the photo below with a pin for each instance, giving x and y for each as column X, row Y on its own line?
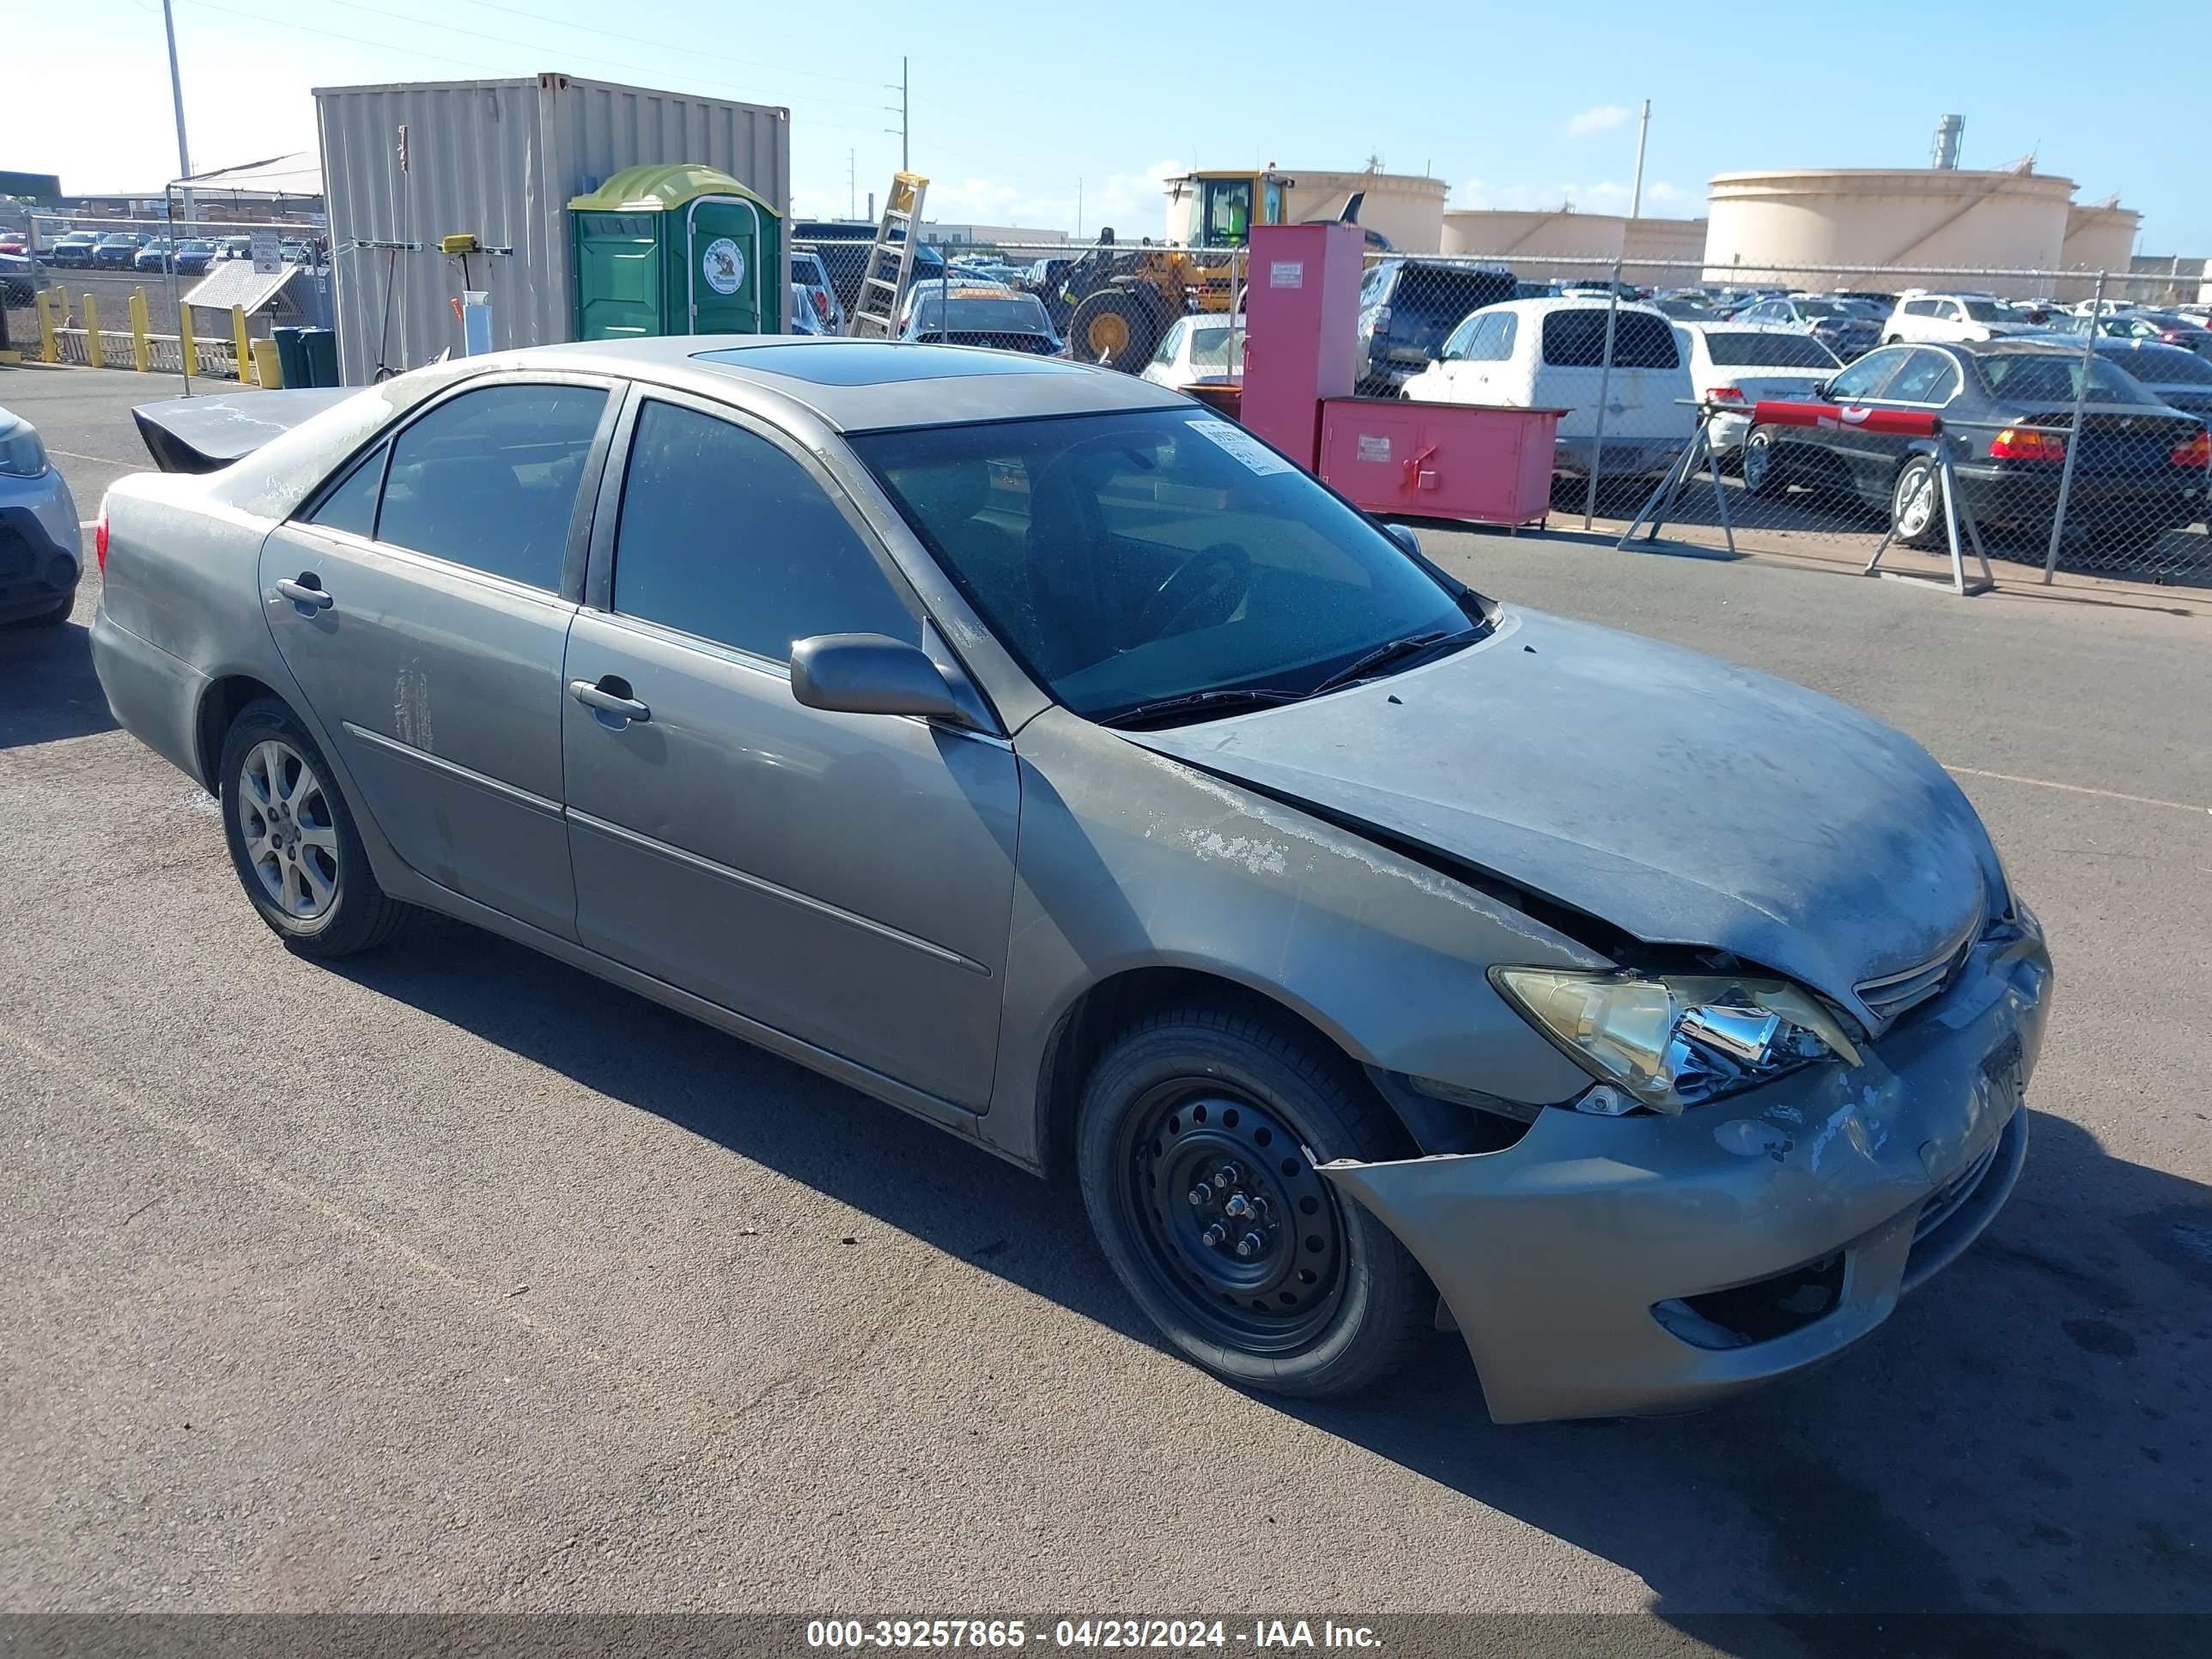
column 1951, row 317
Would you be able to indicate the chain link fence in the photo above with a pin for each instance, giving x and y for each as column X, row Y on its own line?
column 2070, row 406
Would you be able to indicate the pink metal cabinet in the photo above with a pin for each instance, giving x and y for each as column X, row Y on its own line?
column 1492, row 466
column 1302, row 317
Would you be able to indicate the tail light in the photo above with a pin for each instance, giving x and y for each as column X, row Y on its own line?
column 2197, row 451
column 2027, row 443
column 1726, row 394
column 820, row 303
column 100, row 541
column 1378, row 320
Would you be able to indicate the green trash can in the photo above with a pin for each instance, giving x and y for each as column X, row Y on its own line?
column 675, row 248
column 291, row 355
column 320, row 346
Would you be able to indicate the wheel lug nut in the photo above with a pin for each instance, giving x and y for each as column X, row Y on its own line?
column 1225, row 1178
column 1238, row 1206
column 1200, row 1196
column 1212, row 1237
column 1250, row 1245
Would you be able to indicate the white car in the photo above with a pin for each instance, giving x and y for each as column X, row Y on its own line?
column 38, row 521
column 1744, row 363
column 1951, row 317
column 1549, row 354
column 1206, row 351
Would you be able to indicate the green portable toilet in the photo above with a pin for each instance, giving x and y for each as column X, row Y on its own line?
column 675, row 248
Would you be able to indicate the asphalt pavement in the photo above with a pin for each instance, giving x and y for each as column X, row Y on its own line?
column 447, row 1278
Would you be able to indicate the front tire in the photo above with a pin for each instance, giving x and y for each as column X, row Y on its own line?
column 1197, row 1143
column 293, row 843
column 1916, row 506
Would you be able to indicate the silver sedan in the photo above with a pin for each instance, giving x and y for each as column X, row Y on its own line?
column 1023, row 746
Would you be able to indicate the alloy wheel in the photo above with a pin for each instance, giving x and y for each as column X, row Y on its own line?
column 1915, row 504
column 291, row 839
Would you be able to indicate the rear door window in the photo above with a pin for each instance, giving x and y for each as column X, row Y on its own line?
column 725, row 535
column 488, row 479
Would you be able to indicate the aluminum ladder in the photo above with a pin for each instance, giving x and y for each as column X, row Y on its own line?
column 891, row 261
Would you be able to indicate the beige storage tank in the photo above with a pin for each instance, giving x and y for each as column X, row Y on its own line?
column 1405, row 207
column 1578, row 245
column 1662, row 253
column 1792, row 226
column 2099, row 237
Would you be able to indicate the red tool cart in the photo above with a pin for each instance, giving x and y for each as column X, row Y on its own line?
column 1489, row 465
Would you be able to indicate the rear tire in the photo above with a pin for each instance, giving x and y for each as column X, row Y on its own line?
column 293, row 843
column 1756, row 459
column 1916, row 506
column 1118, row 326
column 1328, row 1301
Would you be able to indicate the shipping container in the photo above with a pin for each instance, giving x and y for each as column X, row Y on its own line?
column 406, row 166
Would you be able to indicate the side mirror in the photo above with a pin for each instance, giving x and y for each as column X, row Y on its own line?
column 871, row 674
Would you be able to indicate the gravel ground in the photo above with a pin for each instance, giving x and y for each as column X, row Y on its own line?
column 451, row 1278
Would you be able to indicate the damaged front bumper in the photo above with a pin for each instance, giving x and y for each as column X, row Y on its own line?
column 1601, row 1266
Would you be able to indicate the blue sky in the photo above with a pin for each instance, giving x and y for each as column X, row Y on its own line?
column 1014, row 103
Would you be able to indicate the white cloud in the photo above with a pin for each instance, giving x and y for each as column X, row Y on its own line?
column 1599, row 117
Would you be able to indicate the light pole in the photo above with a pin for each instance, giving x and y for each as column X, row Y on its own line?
column 176, row 99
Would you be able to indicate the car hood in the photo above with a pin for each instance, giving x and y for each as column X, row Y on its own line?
column 1682, row 799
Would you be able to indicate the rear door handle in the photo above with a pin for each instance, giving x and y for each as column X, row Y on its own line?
column 307, row 593
column 611, row 699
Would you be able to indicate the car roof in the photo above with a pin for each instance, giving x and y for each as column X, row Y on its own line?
column 1539, row 307
column 861, row 386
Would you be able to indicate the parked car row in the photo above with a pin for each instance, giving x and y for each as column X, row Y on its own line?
column 130, row 250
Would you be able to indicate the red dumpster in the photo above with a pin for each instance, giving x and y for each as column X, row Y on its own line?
column 1484, row 464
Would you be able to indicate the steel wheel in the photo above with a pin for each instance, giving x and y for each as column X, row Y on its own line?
column 1247, row 1238
column 291, row 842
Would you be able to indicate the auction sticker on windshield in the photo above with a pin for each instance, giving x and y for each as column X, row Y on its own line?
column 1256, row 456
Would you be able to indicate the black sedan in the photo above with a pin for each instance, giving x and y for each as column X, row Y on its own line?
column 2007, row 409
column 118, row 251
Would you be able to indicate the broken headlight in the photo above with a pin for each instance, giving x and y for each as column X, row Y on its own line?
column 1673, row 1041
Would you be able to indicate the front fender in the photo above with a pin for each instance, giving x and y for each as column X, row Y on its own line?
column 1131, row 860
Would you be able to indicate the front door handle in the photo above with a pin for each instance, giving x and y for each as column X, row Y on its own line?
column 307, row 593
column 611, row 699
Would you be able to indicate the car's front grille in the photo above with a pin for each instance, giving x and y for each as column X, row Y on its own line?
column 1893, row 994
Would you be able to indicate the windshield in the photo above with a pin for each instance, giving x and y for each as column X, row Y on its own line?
column 1747, row 347
column 1129, row 557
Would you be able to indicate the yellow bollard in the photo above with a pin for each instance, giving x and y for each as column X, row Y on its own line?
column 240, row 346
column 94, row 353
column 141, row 358
column 50, row 350
column 187, row 347
column 267, row 366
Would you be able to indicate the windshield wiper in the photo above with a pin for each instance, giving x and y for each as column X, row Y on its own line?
column 1388, row 652
column 1218, row 702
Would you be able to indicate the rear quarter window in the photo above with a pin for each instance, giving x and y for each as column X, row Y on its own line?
column 1575, row 339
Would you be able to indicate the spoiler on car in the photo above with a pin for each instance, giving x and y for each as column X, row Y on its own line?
column 205, row 434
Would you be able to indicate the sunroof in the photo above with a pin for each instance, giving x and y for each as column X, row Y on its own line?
column 873, row 362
